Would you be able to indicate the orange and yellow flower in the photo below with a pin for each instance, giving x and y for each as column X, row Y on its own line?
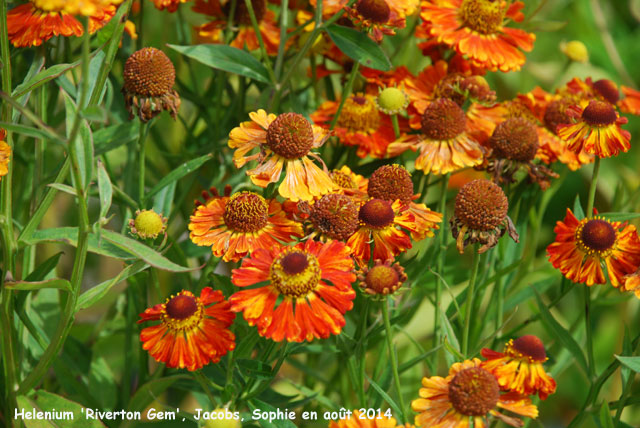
column 631, row 101
column 236, row 225
column 308, row 291
column 583, row 246
column 468, row 396
column 193, row 331
column 170, row 5
column 35, row 22
column 444, row 144
column 380, row 17
column 596, row 130
column 5, row 154
column 282, row 141
column 360, row 124
column 476, row 28
column 360, row 420
column 520, row 367
column 632, row 283
column 220, row 10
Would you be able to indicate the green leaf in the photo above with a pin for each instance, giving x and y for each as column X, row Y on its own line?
column 44, row 268
column 95, row 294
column 163, row 200
column 102, row 382
column 70, row 236
column 632, row 362
column 64, row 188
column 28, row 131
column 561, row 334
column 105, row 190
column 385, row 396
column 94, row 113
column 177, row 174
column 140, row 250
column 151, row 391
column 605, row 416
column 83, row 143
column 255, row 369
column 61, row 284
column 226, row 58
column 45, row 401
column 577, row 208
column 620, row 216
column 43, row 77
column 360, row 47
column 112, row 137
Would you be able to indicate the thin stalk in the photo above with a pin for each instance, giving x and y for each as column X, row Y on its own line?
column 587, row 290
column 592, row 188
column 396, row 126
column 142, row 136
column 442, row 235
column 471, row 289
column 204, row 384
column 284, row 17
column 392, row 355
column 263, row 49
column 345, row 94
column 363, row 334
column 10, row 370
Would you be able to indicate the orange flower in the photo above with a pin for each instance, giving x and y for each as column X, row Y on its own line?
column 445, row 146
column 315, row 277
column 476, row 28
column 193, row 331
column 631, row 101
column 380, row 225
column 348, row 182
column 282, row 141
column 28, row 25
column 360, row 420
column 519, row 368
column 467, row 397
column 5, row 154
column 170, row 5
column 380, row 17
column 237, row 225
column 596, row 130
column 632, row 283
column 360, row 124
column 581, row 246
column 219, row 10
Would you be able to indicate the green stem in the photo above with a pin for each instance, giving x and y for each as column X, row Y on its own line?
column 392, row 356
column 592, row 188
column 142, row 136
column 204, row 384
column 345, row 94
column 284, row 11
column 10, row 369
column 471, row 289
column 362, row 335
column 263, row 49
column 442, row 235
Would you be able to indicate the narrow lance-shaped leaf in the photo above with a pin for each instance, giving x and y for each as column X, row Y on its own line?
column 360, row 47
column 177, row 174
column 105, row 190
column 83, row 142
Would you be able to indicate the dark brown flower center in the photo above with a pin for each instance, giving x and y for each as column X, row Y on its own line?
column 474, row 391
column 294, row 263
column 530, row 346
column 391, row 182
column 481, row 205
column 607, row 89
column 181, row 307
column 556, row 114
column 599, row 113
column 241, row 15
column 246, row 212
column 443, row 120
column 483, row 16
column 377, row 213
column 598, row 235
column 449, row 87
column 290, row 135
column 295, row 273
column 515, row 139
column 336, row 216
column 148, row 72
column 377, row 11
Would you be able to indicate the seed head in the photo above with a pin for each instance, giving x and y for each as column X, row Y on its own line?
column 515, row 139
column 391, row 182
column 290, row 135
column 481, row 205
column 443, row 119
column 149, row 72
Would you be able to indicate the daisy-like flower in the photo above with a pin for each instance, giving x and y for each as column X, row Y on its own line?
column 235, row 225
column 310, row 284
column 35, row 22
column 481, row 216
column 519, row 367
column 391, row 182
column 348, row 182
column 515, row 144
column 148, row 85
column 476, row 28
column 583, row 246
column 282, row 141
column 596, row 130
column 147, row 224
column 382, row 279
column 359, row 420
column 334, row 216
column 469, row 396
column 360, row 124
column 5, row 154
column 193, row 331
column 220, row 11
column 631, row 101
column 170, row 5
column 444, row 144
column 632, row 283
column 380, row 17
column 381, row 224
